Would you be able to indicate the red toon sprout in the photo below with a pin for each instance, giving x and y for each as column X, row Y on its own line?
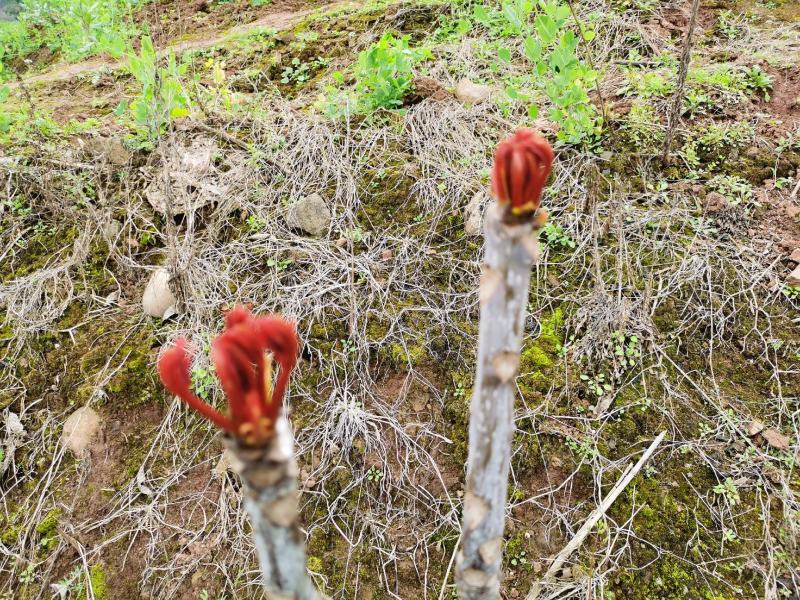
column 522, row 164
column 243, row 356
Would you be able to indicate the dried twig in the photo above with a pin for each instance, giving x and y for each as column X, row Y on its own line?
column 683, row 70
column 596, row 515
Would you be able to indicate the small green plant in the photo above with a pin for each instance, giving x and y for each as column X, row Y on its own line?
column 518, row 560
column 598, row 384
column 279, row 264
column 356, row 234
column 703, row 226
column 255, row 224
column 727, row 490
column 728, row 24
column 28, row 575
column 759, row 81
column 72, row 586
column 735, row 189
column 72, row 29
column 348, row 346
column 644, row 7
column 626, row 348
column 584, row 450
column 374, row 474
column 19, row 207
column 792, row 292
column 203, row 381
column 161, row 97
column 729, row 535
column 384, row 71
column 565, row 79
column 555, row 236
column 296, row 72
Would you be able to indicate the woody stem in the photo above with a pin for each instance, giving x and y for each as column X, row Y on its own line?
column 272, row 501
column 511, row 250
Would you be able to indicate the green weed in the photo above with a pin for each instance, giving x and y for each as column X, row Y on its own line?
column 384, row 72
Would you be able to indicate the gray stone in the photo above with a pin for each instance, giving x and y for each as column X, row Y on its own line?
column 715, row 202
column 108, row 148
column 79, row 429
column 473, row 215
column 158, row 300
column 310, row 215
column 472, row 93
column 793, row 278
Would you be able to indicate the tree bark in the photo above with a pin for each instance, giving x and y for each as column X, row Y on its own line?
column 511, row 250
column 272, row 500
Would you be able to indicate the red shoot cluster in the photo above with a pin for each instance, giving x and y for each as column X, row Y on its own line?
column 522, row 164
column 242, row 355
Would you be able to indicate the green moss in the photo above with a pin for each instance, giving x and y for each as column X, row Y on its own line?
column 315, row 564
column 10, row 535
column 48, row 525
column 540, row 355
column 404, row 355
column 97, row 580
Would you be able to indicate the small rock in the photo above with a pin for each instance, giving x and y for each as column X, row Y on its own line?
column 224, row 463
column 754, row 428
column 772, row 473
column 387, row 255
column 792, row 210
column 793, row 278
column 341, row 242
column 111, row 229
column 158, row 299
column 776, row 439
column 715, row 202
column 79, row 429
column 795, row 255
column 546, row 126
column 427, row 87
column 14, row 427
column 472, row 93
column 310, row 215
column 681, row 186
column 473, row 214
column 108, row 148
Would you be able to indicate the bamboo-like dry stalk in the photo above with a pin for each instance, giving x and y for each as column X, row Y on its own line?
column 271, row 498
column 511, row 250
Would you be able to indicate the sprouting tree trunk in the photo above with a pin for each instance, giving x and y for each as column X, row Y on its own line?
column 272, row 501
column 511, row 250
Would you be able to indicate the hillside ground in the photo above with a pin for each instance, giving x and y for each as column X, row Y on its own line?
column 663, row 300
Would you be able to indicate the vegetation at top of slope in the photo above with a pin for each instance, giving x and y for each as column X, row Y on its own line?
column 67, row 29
